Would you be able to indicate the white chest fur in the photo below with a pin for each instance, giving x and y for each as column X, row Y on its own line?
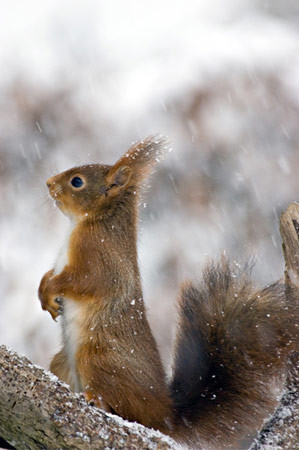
column 62, row 258
column 70, row 316
column 70, row 334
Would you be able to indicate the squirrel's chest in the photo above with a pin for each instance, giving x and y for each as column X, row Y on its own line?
column 62, row 257
column 70, row 333
column 71, row 315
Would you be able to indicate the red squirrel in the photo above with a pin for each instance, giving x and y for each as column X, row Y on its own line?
column 231, row 339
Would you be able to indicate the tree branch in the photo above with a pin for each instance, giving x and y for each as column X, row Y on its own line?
column 38, row 411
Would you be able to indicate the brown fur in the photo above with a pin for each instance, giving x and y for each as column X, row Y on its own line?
column 117, row 358
column 230, row 338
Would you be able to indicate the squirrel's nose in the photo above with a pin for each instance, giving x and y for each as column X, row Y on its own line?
column 49, row 182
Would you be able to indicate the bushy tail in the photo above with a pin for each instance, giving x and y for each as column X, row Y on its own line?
column 231, row 342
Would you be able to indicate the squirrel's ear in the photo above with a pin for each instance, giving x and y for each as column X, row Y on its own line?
column 118, row 179
column 141, row 158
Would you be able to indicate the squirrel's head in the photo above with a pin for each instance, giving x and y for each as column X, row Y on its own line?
column 91, row 189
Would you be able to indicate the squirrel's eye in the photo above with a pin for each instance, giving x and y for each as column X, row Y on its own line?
column 77, row 182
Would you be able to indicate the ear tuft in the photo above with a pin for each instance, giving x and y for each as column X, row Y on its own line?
column 149, row 151
column 134, row 167
column 142, row 157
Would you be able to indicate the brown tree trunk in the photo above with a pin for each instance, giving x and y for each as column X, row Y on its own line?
column 289, row 230
column 39, row 412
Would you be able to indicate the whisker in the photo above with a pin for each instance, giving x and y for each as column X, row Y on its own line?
column 50, row 208
column 44, row 200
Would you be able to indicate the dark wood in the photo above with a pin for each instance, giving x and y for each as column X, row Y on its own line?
column 289, row 230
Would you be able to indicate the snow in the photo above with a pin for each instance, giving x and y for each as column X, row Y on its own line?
column 82, row 80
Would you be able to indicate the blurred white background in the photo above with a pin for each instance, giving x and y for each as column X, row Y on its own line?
column 81, row 80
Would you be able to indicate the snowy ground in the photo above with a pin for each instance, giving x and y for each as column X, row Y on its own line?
column 81, row 80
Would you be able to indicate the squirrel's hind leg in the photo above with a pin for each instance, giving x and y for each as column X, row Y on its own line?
column 60, row 367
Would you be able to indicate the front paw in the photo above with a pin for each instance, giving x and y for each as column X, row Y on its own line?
column 53, row 305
